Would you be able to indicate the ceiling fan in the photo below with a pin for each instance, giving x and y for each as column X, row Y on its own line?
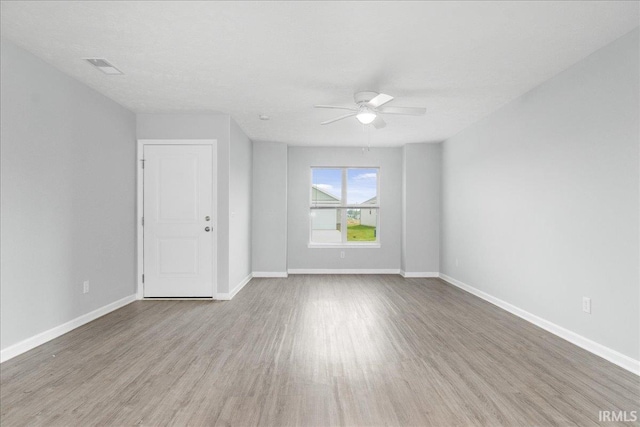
column 368, row 107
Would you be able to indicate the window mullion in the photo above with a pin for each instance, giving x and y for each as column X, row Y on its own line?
column 343, row 211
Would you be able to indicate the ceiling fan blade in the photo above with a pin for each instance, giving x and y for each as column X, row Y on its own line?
column 379, row 100
column 378, row 123
column 337, row 107
column 412, row 111
column 338, row 118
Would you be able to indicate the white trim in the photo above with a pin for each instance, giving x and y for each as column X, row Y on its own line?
column 312, row 245
column 343, row 271
column 179, row 299
column 139, row 215
column 419, row 274
column 234, row 292
column 140, row 205
column 43, row 337
column 607, row 353
column 270, row 274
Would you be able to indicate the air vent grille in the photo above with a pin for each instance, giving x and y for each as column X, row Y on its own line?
column 103, row 65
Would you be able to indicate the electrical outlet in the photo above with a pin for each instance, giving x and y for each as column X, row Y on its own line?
column 586, row 305
column 85, row 287
column 341, row 254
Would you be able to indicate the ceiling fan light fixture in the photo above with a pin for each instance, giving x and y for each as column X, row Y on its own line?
column 365, row 116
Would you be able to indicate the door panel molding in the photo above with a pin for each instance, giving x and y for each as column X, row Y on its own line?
column 140, row 206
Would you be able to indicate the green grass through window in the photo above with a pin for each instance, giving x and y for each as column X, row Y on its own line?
column 361, row 233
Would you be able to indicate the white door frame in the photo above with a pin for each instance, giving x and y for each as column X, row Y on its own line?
column 140, row 205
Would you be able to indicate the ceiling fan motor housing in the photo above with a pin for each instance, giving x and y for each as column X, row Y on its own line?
column 364, row 97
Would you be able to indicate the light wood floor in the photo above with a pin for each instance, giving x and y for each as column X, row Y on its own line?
column 314, row 350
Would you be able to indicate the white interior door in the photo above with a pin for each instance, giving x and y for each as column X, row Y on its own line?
column 178, row 221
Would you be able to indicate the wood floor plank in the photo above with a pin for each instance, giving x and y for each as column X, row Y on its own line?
column 348, row 350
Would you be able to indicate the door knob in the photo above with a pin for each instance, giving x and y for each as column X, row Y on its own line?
column 207, row 229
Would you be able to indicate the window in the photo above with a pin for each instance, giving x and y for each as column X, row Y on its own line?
column 344, row 206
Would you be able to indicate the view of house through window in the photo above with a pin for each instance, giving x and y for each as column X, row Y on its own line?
column 344, row 205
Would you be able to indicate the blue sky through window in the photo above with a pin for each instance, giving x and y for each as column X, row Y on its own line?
column 362, row 183
column 328, row 180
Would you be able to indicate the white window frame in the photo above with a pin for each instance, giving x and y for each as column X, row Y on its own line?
column 344, row 206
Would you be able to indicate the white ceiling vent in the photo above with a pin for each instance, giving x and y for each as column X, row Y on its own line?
column 103, row 65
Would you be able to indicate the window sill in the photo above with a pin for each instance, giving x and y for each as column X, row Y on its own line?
column 375, row 245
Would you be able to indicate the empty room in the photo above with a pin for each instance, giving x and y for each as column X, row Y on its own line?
column 331, row 213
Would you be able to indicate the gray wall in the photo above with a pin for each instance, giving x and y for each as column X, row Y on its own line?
column 239, row 206
column 183, row 126
column 540, row 200
column 269, row 218
column 201, row 126
column 421, row 208
column 300, row 160
column 68, row 197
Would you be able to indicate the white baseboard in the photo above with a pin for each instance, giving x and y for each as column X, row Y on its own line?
column 43, row 337
column 342, row 271
column 234, row 291
column 419, row 274
column 607, row 353
column 179, row 299
column 270, row 274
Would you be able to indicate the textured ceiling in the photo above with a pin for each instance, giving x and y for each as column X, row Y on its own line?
column 460, row 60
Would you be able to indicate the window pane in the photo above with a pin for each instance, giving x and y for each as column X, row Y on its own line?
column 362, row 225
column 362, row 186
column 326, row 186
column 326, row 226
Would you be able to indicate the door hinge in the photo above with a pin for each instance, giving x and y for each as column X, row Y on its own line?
column 143, row 278
column 143, row 221
column 142, row 163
